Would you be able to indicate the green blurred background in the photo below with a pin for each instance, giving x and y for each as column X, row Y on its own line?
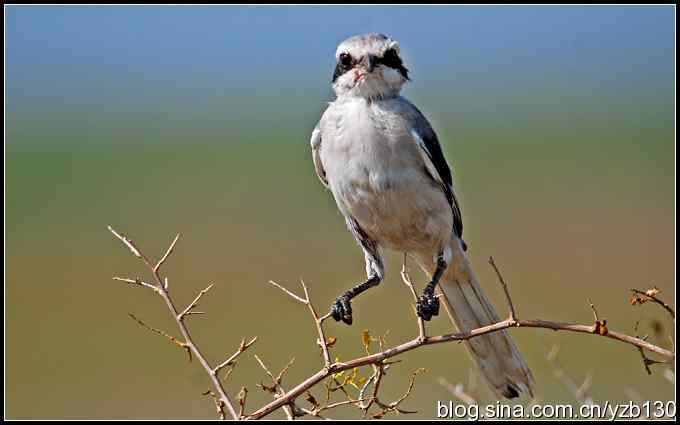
column 558, row 123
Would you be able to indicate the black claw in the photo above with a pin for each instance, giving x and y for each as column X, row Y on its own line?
column 427, row 306
column 341, row 310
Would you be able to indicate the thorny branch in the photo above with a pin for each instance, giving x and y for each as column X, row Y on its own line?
column 277, row 389
column 318, row 321
column 190, row 308
column 222, row 400
column 646, row 361
column 172, row 339
column 286, row 399
column 598, row 328
column 230, row 361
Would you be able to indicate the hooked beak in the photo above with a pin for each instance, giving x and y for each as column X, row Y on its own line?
column 371, row 62
column 366, row 66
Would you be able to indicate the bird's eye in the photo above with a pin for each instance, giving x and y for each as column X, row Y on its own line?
column 346, row 59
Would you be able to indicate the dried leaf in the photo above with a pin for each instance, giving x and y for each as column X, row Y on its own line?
column 366, row 340
column 355, row 380
column 640, row 298
column 637, row 299
column 267, row 388
column 338, row 375
column 310, row 398
column 242, row 395
column 651, row 292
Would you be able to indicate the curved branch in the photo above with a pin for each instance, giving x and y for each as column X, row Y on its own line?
column 458, row 336
column 599, row 328
column 286, row 399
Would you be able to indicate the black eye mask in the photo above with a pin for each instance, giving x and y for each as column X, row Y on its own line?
column 345, row 63
column 390, row 59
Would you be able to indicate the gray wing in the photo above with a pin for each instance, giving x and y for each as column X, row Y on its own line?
column 315, row 141
column 435, row 163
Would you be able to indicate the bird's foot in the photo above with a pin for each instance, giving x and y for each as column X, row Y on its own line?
column 427, row 305
column 342, row 310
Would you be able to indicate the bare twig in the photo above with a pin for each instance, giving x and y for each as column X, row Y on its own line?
column 162, row 290
column 318, row 321
column 394, row 406
column 342, row 403
column 592, row 307
column 172, row 339
column 513, row 315
column 318, row 408
column 277, row 389
column 231, row 359
column 190, row 308
column 290, row 294
column 283, row 372
column 219, row 404
column 127, row 243
column 137, row 282
column 375, row 380
column 339, row 386
column 646, row 361
column 411, row 384
column 167, row 254
column 407, row 281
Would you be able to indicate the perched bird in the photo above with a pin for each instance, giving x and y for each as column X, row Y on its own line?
column 381, row 160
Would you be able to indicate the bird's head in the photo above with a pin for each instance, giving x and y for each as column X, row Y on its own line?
column 369, row 66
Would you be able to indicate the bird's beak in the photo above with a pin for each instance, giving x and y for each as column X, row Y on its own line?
column 371, row 62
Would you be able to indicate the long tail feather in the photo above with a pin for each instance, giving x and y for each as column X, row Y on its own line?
column 496, row 355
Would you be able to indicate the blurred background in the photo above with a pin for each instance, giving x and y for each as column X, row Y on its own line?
column 558, row 123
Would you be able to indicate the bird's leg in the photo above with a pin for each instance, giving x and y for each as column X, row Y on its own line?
column 342, row 308
column 375, row 270
column 428, row 304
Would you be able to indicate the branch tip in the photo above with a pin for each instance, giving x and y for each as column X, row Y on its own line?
column 127, row 242
column 289, row 293
column 513, row 315
column 167, row 254
column 230, row 361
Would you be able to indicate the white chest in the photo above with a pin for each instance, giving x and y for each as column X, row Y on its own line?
column 366, row 145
